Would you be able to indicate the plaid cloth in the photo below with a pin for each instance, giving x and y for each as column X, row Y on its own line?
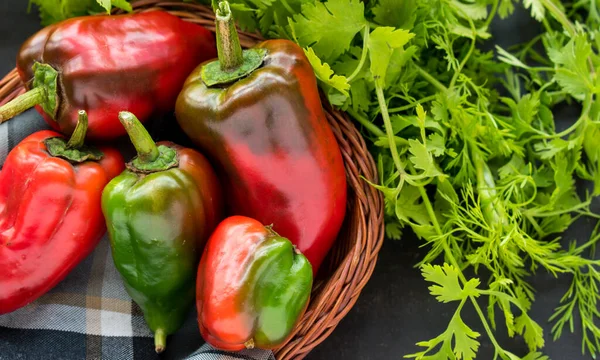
column 89, row 315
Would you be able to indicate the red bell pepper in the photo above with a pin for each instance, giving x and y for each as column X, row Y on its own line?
column 50, row 214
column 105, row 64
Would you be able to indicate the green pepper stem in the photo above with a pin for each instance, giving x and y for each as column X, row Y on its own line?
column 142, row 141
column 228, row 43
column 21, row 103
column 78, row 137
column 160, row 340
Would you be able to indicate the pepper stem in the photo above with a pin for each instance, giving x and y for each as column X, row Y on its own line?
column 142, row 141
column 160, row 340
column 228, row 43
column 21, row 103
column 78, row 137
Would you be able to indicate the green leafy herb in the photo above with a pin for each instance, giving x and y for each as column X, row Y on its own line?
column 53, row 11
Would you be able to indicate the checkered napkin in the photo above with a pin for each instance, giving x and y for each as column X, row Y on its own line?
column 89, row 315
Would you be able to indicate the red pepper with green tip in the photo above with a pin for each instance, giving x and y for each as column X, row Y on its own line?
column 258, row 114
column 253, row 286
column 50, row 214
column 159, row 213
column 108, row 63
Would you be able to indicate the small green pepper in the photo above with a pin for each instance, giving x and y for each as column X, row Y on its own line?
column 253, row 286
column 159, row 213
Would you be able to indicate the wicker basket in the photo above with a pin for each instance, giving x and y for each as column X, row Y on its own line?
column 350, row 263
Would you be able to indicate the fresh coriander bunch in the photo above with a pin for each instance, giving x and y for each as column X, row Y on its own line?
column 480, row 175
column 52, row 11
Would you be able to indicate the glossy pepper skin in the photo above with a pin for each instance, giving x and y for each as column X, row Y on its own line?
column 253, row 286
column 269, row 135
column 50, row 215
column 159, row 213
column 105, row 64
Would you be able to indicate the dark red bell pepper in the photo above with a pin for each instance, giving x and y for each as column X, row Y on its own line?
column 50, row 214
column 258, row 114
column 105, row 64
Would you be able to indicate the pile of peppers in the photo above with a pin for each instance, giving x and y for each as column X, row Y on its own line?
column 237, row 223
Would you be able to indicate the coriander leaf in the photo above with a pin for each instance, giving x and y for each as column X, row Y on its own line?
column 448, row 287
column 528, row 107
column 571, row 66
column 408, row 206
column 396, row 13
column 465, row 345
column 400, row 123
column 422, row 159
column 474, row 11
column 245, row 16
column 382, row 42
column 399, row 58
column 505, row 8
column 436, row 144
column 531, row 331
column 325, row 74
column 464, row 31
column 53, row 11
column 537, row 8
column 556, row 224
column 274, row 14
column 335, row 98
column 329, row 27
column 543, row 177
column 515, row 166
column 122, row 4
column 421, row 116
column 106, row 5
column 393, row 230
column 426, row 231
column 535, row 356
column 360, row 95
column 509, row 58
column 550, row 149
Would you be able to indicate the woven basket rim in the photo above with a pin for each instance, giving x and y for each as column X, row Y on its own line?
column 354, row 255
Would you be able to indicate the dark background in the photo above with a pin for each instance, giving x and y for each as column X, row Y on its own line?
column 395, row 309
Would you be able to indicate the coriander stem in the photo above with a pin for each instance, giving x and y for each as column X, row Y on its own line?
column 587, row 105
column 536, row 226
column 388, row 127
column 558, row 212
column 412, row 105
column 374, row 129
column 287, row 6
column 560, row 16
column 430, row 79
column 363, row 56
column 467, row 56
column 589, row 243
column 431, row 213
column 492, row 14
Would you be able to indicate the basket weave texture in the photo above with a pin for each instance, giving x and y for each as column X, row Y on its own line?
column 351, row 261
